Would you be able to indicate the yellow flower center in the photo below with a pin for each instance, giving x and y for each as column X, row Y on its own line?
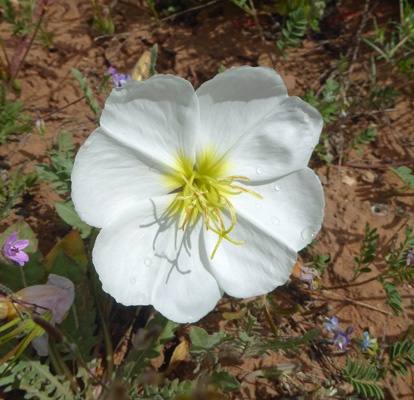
column 204, row 190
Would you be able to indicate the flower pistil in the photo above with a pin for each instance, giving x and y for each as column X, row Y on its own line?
column 202, row 192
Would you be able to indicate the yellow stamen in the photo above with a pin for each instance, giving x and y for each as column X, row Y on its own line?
column 203, row 191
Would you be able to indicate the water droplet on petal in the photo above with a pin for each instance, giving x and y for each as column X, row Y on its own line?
column 258, row 206
column 190, row 318
column 308, row 234
column 259, row 171
column 147, row 261
column 306, row 118
column 277, row 187
column 275, row 221
column 132, row 280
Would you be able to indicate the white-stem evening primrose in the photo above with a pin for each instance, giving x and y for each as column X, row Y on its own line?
column 199, row 192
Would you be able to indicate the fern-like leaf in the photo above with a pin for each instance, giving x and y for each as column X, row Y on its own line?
column 293, row 32
column 363, row 377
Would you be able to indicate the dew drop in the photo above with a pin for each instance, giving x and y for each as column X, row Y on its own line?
column 306, row 118
column 147, row 261
column 308, row 234
column 277, row 188
column 132, row 280
column 258, row 206
column 275, row 221
column 190, row 318
column 259, row 171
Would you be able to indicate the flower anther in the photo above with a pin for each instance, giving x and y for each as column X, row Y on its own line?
column 203, row 194
column 199, row 192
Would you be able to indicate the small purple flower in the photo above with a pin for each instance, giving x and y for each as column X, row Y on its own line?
column 410, row 257
column 112, row 71
column 332, row 325
column 341, row 340
column 12, row 249
column 119, row 80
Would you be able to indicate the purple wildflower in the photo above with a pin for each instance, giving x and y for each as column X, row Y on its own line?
column 341, row 340
column 112, row 71
column 12, row 249
column 332, row 325
column 308, row 275
column 410, row 257
column 119, row 80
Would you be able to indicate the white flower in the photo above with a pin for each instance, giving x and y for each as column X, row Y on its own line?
column 168, row 162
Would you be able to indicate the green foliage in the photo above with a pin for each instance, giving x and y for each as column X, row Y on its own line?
column 327, row 103
column 61, row 165
column 320, row 262
column 366, row 253
column 392, row 297
column 31, row 376
column 243, row 5
column 102, row 20
column 321, row 149
column 293, row 33
column 224, row 380
column 400, row 353
column 168, row 391
column 396, row 43
column 21, row 22
column 381, row 98
column 363, row 378
column 44, row 36
column 154, row 55
column 313, row 10
column 249, row 341
column 151, row 5
column 146, row 346
column 368, row 135
column 90, row 99
column 399, row 270
column 406, row 175
column 13, row 121
column 66, row 211
column 366, row 375
column 12, row 188
column 59, row 174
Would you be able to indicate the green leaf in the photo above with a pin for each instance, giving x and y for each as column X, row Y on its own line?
column 224, row 380
column 66, row 211
column 200, row 338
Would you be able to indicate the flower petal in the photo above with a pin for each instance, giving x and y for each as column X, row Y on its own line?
column 234, row 102
column 142, row 257
column 109, row 177
column 21, row 244
column 254, row 268
column 21, row 257
column 11, row 238
column 291, row 209
column 274, row 229
column 158, row 117
column 280, row 144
